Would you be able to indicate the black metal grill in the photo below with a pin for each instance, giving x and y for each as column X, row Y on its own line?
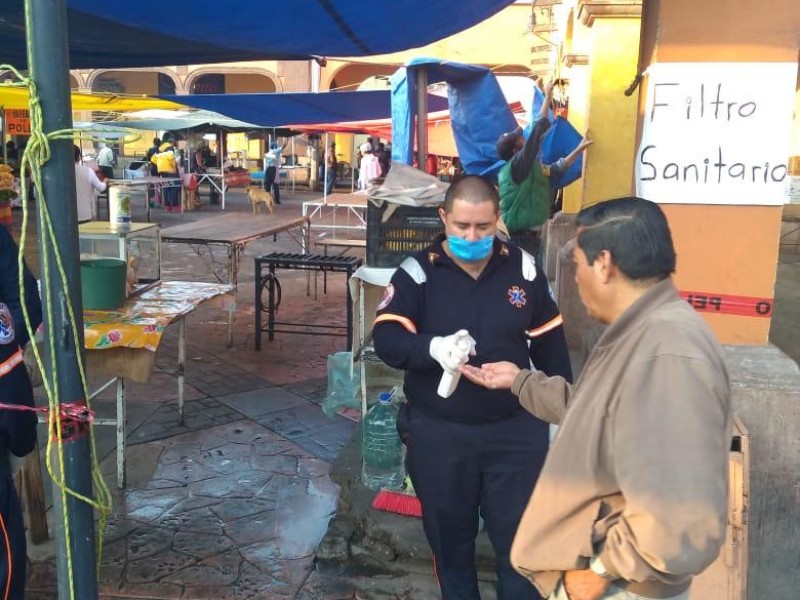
column 266, row 279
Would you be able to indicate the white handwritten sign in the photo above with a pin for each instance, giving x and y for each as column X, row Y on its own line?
column 716, row 133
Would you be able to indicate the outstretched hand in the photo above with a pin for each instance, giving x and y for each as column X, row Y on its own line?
column 495, row 376
column 585, row 142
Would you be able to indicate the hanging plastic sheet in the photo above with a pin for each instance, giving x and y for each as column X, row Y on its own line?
column 561, row 139
column 478, row 109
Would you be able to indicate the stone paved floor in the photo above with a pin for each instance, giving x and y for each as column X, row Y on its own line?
column 232, row 503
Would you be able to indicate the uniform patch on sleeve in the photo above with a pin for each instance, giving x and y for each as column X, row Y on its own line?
column 388, row 294
column 6, row 325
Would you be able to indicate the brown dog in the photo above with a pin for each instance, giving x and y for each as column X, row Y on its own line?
column 258, row 195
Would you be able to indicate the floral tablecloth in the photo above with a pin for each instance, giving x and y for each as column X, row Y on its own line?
column 140, row 323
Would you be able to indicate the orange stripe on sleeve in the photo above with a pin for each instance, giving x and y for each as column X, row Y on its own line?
column 404, row 321
column 549, row 326
column 7, row 542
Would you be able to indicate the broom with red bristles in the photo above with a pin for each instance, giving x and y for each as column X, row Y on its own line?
column 402, row 502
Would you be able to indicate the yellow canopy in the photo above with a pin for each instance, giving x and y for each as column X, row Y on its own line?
column 17, row 97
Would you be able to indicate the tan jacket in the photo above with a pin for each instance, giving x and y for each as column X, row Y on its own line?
column 637, row 473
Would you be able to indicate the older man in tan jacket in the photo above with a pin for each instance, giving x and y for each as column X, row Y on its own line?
column 632, row 500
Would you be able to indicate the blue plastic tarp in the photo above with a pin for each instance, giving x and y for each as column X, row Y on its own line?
column 276, row 110
column 479, row 111
column 561, row 139
column 116, row 33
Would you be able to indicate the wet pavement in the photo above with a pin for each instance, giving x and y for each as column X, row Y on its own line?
column 234, row 503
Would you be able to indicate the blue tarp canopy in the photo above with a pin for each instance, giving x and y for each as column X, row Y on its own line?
column 479, row 111
column 142, row 33
column 275, row 110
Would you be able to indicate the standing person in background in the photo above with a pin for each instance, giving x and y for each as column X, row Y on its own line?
column 153, row 150
column 525, row 195
column 476, row 451
column 331, row 164
column 106, row 161
column 199, row 159
column 87, row 186
column 272, row 164
column 167, row 166
column 384, row 158
column 632, row 500
column 152, row 170
column 17, row 427
column 369, row 168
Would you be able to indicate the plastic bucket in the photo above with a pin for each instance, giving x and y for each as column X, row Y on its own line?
column 103, row 283
column 119, row 206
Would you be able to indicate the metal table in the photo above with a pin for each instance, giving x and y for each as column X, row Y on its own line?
column 233, row 232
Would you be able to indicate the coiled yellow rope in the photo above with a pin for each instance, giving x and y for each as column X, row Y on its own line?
column 37, row 153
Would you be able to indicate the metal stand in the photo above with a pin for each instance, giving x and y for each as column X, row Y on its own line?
column 303, row 262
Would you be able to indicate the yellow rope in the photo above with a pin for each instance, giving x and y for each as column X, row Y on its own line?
column 37, row 153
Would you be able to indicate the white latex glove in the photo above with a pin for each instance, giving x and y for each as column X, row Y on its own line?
column 452, row 351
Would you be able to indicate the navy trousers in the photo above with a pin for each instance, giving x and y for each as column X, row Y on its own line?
column 459, row 470
column 12, row 541
column 271, row 185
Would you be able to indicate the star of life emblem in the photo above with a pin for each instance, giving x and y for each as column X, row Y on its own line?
column 516, row 296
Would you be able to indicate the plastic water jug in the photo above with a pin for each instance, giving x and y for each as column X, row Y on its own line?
column 381, row 449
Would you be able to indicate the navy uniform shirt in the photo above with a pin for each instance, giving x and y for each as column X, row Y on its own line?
column 17, row 428
column 509, row 311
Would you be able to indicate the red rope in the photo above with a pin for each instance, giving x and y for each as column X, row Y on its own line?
column 75, row 417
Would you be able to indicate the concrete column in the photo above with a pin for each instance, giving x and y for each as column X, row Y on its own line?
column 613, row 38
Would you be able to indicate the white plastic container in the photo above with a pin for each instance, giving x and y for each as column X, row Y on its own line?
column 119, row 206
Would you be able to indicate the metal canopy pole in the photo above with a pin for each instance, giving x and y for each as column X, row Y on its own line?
column 325, row 174
column 294, row 166
column 222, row 163
column 3, row 134
column 49, row 68
column 422, row 117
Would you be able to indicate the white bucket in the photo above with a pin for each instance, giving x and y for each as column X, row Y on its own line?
column 119, row 206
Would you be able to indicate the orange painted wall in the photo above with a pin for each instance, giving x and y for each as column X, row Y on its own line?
column 724, row 249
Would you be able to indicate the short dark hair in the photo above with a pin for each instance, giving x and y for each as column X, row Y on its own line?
column 506, row 143
column 77, row 153
column 634, row 231
column 156, row 142
column 474, row 189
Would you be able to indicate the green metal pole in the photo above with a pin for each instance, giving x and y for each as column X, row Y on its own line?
column 48, row 63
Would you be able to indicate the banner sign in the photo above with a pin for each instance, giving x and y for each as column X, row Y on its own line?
column 17, row 121
column 716, row 133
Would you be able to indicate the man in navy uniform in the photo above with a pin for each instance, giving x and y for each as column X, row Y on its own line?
column 475, row 451
column 17, row 427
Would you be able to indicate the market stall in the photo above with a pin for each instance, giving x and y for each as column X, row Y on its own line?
column 122, row 343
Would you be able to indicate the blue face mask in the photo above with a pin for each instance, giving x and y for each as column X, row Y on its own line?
column 470, row 251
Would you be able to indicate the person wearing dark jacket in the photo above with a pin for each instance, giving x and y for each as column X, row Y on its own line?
column 470, row 297
column 17, row 427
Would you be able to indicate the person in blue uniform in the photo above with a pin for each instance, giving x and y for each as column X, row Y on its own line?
column 17, row 428
column 476, row 451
